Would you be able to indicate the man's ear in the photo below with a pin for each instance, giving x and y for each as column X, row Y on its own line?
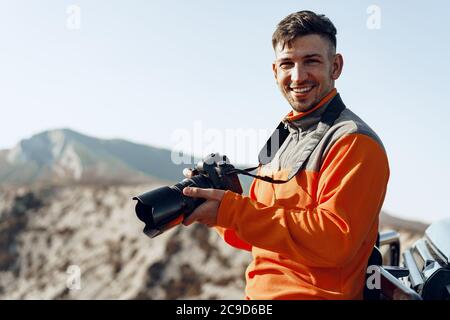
column 274, row 69
column 338, row 64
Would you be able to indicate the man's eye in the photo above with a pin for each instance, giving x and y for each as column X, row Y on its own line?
column 312, row 61
column 286, row 65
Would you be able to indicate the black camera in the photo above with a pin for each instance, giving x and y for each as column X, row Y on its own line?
column 166, row 207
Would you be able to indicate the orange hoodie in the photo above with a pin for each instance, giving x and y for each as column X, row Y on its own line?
column 311, row 237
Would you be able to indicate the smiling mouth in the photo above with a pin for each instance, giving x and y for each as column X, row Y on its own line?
column 301, row 90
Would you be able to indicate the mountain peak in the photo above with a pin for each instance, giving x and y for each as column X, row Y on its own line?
column 65, row 154
column 43, row 148
column 57, row 134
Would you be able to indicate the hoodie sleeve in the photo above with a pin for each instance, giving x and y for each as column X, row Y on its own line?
column 351, row 187
column 230, row 236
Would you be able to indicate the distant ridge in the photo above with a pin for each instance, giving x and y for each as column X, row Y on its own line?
column 394, row 222
column 64, row 155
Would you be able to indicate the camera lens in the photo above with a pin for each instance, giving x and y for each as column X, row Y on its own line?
column 165, row 207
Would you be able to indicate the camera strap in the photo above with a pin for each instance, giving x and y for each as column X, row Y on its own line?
column 267, row 153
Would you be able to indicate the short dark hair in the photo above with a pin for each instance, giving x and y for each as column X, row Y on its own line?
column 303, row 23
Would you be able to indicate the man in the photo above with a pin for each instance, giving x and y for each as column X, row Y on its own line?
column 312, row 236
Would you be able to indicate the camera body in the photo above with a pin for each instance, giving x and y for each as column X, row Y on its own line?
column 163, row 208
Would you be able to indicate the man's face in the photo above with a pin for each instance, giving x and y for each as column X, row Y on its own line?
column 306, row 70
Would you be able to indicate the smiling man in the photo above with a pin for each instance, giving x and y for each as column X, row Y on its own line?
column 311, row 236
column 305, row 69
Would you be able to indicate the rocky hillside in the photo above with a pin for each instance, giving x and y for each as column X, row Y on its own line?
column 45, row 233
column 49, row 234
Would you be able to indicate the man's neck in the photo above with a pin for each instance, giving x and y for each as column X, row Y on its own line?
column 296, row 115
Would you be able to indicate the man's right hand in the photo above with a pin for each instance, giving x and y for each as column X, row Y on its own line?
column 206, row 213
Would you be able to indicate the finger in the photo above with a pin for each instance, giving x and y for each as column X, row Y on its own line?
column 198, row 215
column 187, row 172
column 209, row 194
column 190, row 219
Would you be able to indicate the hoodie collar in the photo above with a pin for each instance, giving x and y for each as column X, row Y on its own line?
column 304, row 120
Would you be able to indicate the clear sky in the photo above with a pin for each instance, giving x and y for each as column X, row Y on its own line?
column 190, row 74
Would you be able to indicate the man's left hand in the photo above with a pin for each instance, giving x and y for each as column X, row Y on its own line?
column 206, row 213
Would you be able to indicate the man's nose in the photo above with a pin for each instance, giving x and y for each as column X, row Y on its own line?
column 298, row 74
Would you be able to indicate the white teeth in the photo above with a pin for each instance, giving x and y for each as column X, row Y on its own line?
column 302, row 90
